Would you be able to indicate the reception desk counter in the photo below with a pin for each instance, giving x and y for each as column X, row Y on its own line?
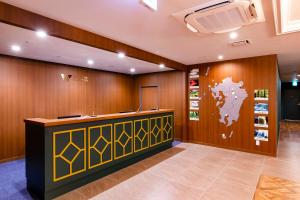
column 63, row 154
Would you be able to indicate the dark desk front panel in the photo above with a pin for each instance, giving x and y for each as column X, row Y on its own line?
column 69, row 156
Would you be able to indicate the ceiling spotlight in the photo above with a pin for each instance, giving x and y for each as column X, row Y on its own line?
column 121, row 55
column 233, row 35
column 220, row 57
column 161, row 66
column 132, row 70
column 41, row 33
column 90, row 62
column 191, row 28
column 15, row 48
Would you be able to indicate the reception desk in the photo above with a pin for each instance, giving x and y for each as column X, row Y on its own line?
column 63, row 154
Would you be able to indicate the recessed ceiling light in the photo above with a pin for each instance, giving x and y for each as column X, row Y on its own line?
column 298, row 75
column 220, row 57
column 15, row 48
column 233, row 35
column 132, row 70
column 41, row 33
column 121, row 55
column 191, row 28
column 90, row 62
column 161, row 66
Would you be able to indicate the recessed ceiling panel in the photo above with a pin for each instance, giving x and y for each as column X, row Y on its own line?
column 62, row 51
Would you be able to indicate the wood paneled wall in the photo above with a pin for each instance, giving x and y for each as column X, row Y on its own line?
column 35, row 89
column 172, row 95
column 256, row 73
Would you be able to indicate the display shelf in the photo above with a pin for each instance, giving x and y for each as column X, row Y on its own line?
column 194, row 77
column 194, row 95
column 261, row 126
column 261, row 99
column 261, row 113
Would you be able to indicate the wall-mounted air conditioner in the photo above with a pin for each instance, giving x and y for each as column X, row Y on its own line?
column 219, row 16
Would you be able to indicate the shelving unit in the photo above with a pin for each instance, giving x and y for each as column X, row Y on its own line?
column 261, row 115
column 194, row 95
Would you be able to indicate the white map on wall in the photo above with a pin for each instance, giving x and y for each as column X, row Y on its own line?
column 230, row 97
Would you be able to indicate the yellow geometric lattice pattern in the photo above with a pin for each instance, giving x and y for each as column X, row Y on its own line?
column 93, row 146
column 117, row 139
column 167, row 128
column 60, row 155
column 155, row 131
column 137, row 135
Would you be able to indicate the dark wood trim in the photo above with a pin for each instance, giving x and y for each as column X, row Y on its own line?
column 25, row 19
column 11, row 159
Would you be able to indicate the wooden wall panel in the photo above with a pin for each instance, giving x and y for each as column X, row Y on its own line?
column 256, row 73
column 172, row 95
column 35, row 89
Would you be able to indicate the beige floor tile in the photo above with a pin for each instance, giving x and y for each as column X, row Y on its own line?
column 194, row 178
column 228, row 190
column 174, row 191
column 245, row 166
column 282, row 169
column 210, row 167
column 248, row 157
column 246, row 177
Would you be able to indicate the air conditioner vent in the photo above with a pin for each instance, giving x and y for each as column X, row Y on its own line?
column 219, row 16
column 241, row 43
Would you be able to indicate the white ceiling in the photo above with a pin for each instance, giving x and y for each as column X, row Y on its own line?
column 66, row 52
column 158, row 32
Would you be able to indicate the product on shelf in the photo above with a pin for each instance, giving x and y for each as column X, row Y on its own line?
column 262, row 94
column 194, row 83
column 194, row 105
column 194, row 72
column 261, row 108
column 194, row 115
column 194, row 94
column 261, row 121
column 261, row 135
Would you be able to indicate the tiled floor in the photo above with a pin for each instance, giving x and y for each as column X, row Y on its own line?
column 187, row 171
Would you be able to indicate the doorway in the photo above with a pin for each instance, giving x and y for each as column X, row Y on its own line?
column 149, row 98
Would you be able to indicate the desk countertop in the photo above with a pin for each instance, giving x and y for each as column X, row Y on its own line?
column 57, row 122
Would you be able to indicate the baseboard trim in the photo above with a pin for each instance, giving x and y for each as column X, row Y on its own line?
column 233, row 148
column 291, row 120
column 178, row 139
column 11, row 159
